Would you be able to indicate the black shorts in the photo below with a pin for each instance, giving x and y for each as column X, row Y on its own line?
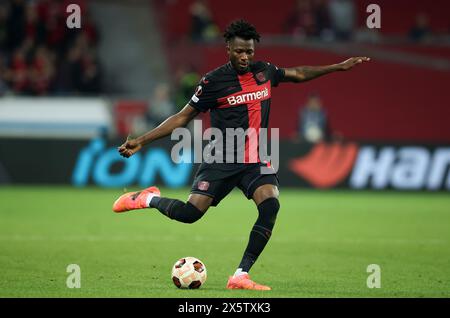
column 217, row 182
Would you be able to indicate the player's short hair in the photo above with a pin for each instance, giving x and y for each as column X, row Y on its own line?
column 242, row 29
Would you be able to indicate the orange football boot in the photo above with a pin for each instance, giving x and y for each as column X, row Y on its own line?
column 134, row 200
column 243, row 281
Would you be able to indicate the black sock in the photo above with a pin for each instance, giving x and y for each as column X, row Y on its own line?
column 176, row 209
column 261, row 232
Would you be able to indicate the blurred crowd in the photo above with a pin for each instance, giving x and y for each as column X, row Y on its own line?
column 337, row 20
column 325, row 20
column 40, row 55
column 203, row 27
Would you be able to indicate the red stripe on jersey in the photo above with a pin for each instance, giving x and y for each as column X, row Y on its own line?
column 252, row 138
column 249, row 84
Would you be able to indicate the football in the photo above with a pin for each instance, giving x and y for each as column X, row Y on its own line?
column 189, row 272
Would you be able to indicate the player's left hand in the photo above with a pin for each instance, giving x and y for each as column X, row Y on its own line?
column 351, row 62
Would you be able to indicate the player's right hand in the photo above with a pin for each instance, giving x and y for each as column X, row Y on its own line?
column 129, row 148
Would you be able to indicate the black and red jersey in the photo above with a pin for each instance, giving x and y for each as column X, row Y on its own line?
column 238, row 100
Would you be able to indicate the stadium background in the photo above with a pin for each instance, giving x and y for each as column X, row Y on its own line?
column 379, row 174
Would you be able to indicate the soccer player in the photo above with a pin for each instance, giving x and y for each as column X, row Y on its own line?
column 237, row 95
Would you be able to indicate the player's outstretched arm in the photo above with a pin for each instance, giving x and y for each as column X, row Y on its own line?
column 306, row 73
column 180, row 119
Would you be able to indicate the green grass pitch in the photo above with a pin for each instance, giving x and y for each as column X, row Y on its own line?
column 321, row 245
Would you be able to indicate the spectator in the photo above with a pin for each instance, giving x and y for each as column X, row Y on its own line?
column 42, row 72
column 302, row 22
column 203, row 27
column 34, row 28
column 309, row 19
column 322, row 18
column 69, row 73
column 19, row 70
column 56, row 27
column 16, row 24
column 343, row 18
column 90, row 30
column 3, row 27
column 80, row 71
column 4, row 77
column 90, row 77
column 187, row 83
column 160, row 106
column 421, row 31
column 313, row 121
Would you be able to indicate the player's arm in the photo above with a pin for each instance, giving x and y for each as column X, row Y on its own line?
column 180, row 119
column 305, row 73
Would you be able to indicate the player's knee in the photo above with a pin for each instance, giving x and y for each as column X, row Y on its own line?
column 193, row 218
column 269, row 208
column 190, row 221
column 200, row 201
column 186, row 213
column 265, row 192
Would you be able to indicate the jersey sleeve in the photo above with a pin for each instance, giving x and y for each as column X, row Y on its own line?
column 276, row 74
column 205, row 95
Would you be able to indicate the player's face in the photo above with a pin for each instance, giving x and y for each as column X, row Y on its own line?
column 241, row 53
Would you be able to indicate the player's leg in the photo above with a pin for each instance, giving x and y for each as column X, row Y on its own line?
column 186, row 212
column 264, row 192
column 203, row 195
column 207, row 189
column 266, row 200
